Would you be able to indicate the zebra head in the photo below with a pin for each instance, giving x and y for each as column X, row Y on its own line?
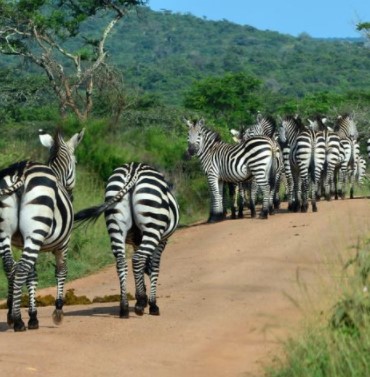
column 195, row 136
column 346, row 127
column 62, row 156
column 290, row 127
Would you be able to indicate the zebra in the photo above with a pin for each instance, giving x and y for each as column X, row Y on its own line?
column 266, row 126
column 332, row 154
column 140, row 210
column 306, row 153
column 36, row 215
column 234, row 163
column 347, row 131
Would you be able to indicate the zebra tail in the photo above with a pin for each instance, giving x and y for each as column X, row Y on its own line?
column 312, row 163
column 273, row 169
column 89, row 215
column 92, row 214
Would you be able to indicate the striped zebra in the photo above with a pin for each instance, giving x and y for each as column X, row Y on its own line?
column 265, row 126
column 306, row 160
column 347, row 131
column 36, row 215
column 332, row 155
column 234, row 163
column 140, row 210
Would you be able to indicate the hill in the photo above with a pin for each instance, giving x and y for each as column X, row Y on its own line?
column 164, row 52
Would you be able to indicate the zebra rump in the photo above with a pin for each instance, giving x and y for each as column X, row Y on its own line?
column 141, row 211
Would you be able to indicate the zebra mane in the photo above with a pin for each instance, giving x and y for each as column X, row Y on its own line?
column 58, row 144
column 268, row 120
column 296, row 120
column 214, row 134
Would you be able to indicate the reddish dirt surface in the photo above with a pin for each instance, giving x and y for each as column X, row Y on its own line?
column 229, row 294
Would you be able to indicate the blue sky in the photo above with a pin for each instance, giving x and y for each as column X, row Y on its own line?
column 318, row 18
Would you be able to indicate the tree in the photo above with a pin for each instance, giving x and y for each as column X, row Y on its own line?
column 62, row 37
column 233, row 98
column 365, row 28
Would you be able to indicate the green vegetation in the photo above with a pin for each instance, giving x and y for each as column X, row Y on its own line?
column 170, row 66
column 337, row 343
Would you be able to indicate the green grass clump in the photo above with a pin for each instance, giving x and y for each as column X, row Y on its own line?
column 339, row 346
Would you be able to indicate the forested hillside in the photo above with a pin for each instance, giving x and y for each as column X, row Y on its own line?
column 163, row 53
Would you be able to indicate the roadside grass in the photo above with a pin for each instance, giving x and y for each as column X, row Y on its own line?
column 335, row 343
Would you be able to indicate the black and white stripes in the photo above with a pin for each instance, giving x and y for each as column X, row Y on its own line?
column 140, row 210
column 234, row 163
column 36, row 215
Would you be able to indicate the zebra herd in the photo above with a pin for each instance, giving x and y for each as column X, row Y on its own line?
column 315, row 159
column 36, row 214
column 36, row 211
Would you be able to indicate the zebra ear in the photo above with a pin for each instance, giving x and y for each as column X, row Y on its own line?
column 46, row 139
column 76, row 139
column 189, row 124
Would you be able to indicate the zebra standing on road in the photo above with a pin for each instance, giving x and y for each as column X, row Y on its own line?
column 234, row 163
column 306, row 160
column 347, row 131
column 332, row 154
column 140, row 210
column 36, row 215
column 265, row 126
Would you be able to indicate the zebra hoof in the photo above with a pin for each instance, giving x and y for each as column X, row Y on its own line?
column 141, row 304
column 139, row 310
column 19, row 325
column 214, row 218
column 33, row 323
column 263, row 215
column 154, row 309
column 124, row 311
column 9, row 319
column 58, row 316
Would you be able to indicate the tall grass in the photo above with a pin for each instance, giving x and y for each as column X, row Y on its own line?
column 336, row 343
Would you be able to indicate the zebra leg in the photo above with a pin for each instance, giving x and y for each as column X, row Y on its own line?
column 61, row 275
column 9, row 267
column 305, row 188
column 266, row 201
column 31, row 283
column 351, row 185
column 342, row 182
column 22, row 270
column 253, row 190
column 216, row 189
column 139, row 262
column 233, row 192
column 152, row 270
column 296, row 203
column 118, row 248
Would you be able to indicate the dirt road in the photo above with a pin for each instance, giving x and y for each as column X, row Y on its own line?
column 228, row 295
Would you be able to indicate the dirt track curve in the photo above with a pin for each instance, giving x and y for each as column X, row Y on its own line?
column 226, row 294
